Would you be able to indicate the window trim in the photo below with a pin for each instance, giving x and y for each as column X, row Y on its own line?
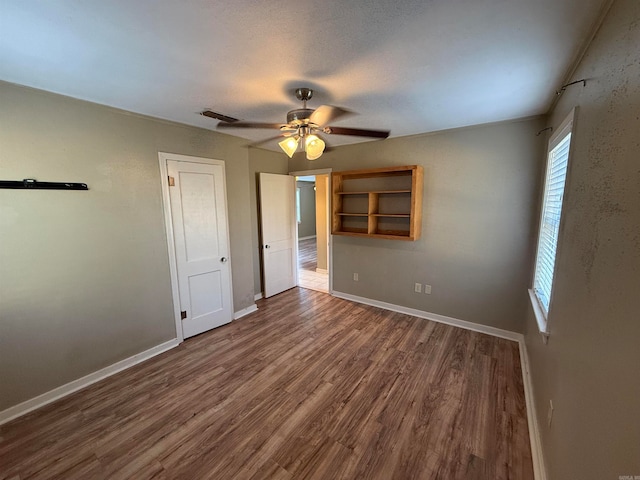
column 565, row 128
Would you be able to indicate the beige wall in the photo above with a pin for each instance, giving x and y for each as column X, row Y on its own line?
column 307, row 225
column 591, row 366
column 480, row 193
column 84, row 275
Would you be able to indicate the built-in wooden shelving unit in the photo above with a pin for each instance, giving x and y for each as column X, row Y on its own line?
column 378, row 202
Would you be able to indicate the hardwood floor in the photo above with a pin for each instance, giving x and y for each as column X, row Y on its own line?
column 308, row 254
column 308, row 387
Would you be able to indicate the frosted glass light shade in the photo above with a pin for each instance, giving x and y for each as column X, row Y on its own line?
column 289, row 145
column 314, row 146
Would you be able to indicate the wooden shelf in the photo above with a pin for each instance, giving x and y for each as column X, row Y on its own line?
column 392, row 198
column 374, row 191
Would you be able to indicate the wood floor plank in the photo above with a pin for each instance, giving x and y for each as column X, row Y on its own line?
column 308, row 254
column 269, row 469
column 308, row 387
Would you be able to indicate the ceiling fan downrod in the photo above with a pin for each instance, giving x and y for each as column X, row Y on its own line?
column 300, row 116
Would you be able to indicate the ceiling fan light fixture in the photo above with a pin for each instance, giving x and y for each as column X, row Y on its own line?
column 314, row 146
column 289, row 145
column 301, row 122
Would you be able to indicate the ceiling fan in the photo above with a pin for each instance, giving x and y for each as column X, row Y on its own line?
column 302, row 127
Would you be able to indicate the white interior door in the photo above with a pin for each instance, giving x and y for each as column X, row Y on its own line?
column 279, row 236
column 199, row 219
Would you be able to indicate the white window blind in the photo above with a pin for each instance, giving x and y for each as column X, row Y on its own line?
column 557, row 162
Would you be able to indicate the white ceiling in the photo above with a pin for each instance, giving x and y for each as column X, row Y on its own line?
column 409, row 66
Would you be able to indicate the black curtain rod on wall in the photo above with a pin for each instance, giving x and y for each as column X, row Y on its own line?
column 34, row 184
column 583, row 81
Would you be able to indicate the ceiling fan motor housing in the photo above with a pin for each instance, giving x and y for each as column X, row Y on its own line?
column 299, row 116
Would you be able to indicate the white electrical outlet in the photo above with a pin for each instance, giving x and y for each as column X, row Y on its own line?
column 427, row 289
column 355, row 277
column 550, row 413
column 417, row 288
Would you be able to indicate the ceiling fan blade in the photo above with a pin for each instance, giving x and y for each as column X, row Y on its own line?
column 267, row 140
column 218, row 116
column 327, row 113
column 360, row 132
column 277, row 126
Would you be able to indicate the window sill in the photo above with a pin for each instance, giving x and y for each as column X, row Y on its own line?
column 539, row 314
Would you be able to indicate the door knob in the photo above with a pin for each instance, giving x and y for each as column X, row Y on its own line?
column 267, row 246
column 223, row 259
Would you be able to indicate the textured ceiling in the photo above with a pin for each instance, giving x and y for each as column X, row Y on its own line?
column 409, row 66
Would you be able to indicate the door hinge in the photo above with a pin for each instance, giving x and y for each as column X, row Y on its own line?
column 183, row 314
column 172, row 181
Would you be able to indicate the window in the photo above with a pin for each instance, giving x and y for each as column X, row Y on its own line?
column 557, row 162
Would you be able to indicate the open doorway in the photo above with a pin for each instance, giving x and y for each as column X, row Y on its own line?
column 312, row 209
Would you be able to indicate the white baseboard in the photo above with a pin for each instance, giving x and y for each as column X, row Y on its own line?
column 57, row 393
column 539, row 471
column 532, row 420
column 322, row 270
column 258, row 296
column 476, row 327
column 245, row 311
column 306, row 238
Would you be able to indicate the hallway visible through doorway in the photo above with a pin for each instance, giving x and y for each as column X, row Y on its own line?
column 312, row 209
column 308, row 276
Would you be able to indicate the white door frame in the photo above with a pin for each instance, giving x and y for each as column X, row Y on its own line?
column 168, row 223
column 323, row 171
